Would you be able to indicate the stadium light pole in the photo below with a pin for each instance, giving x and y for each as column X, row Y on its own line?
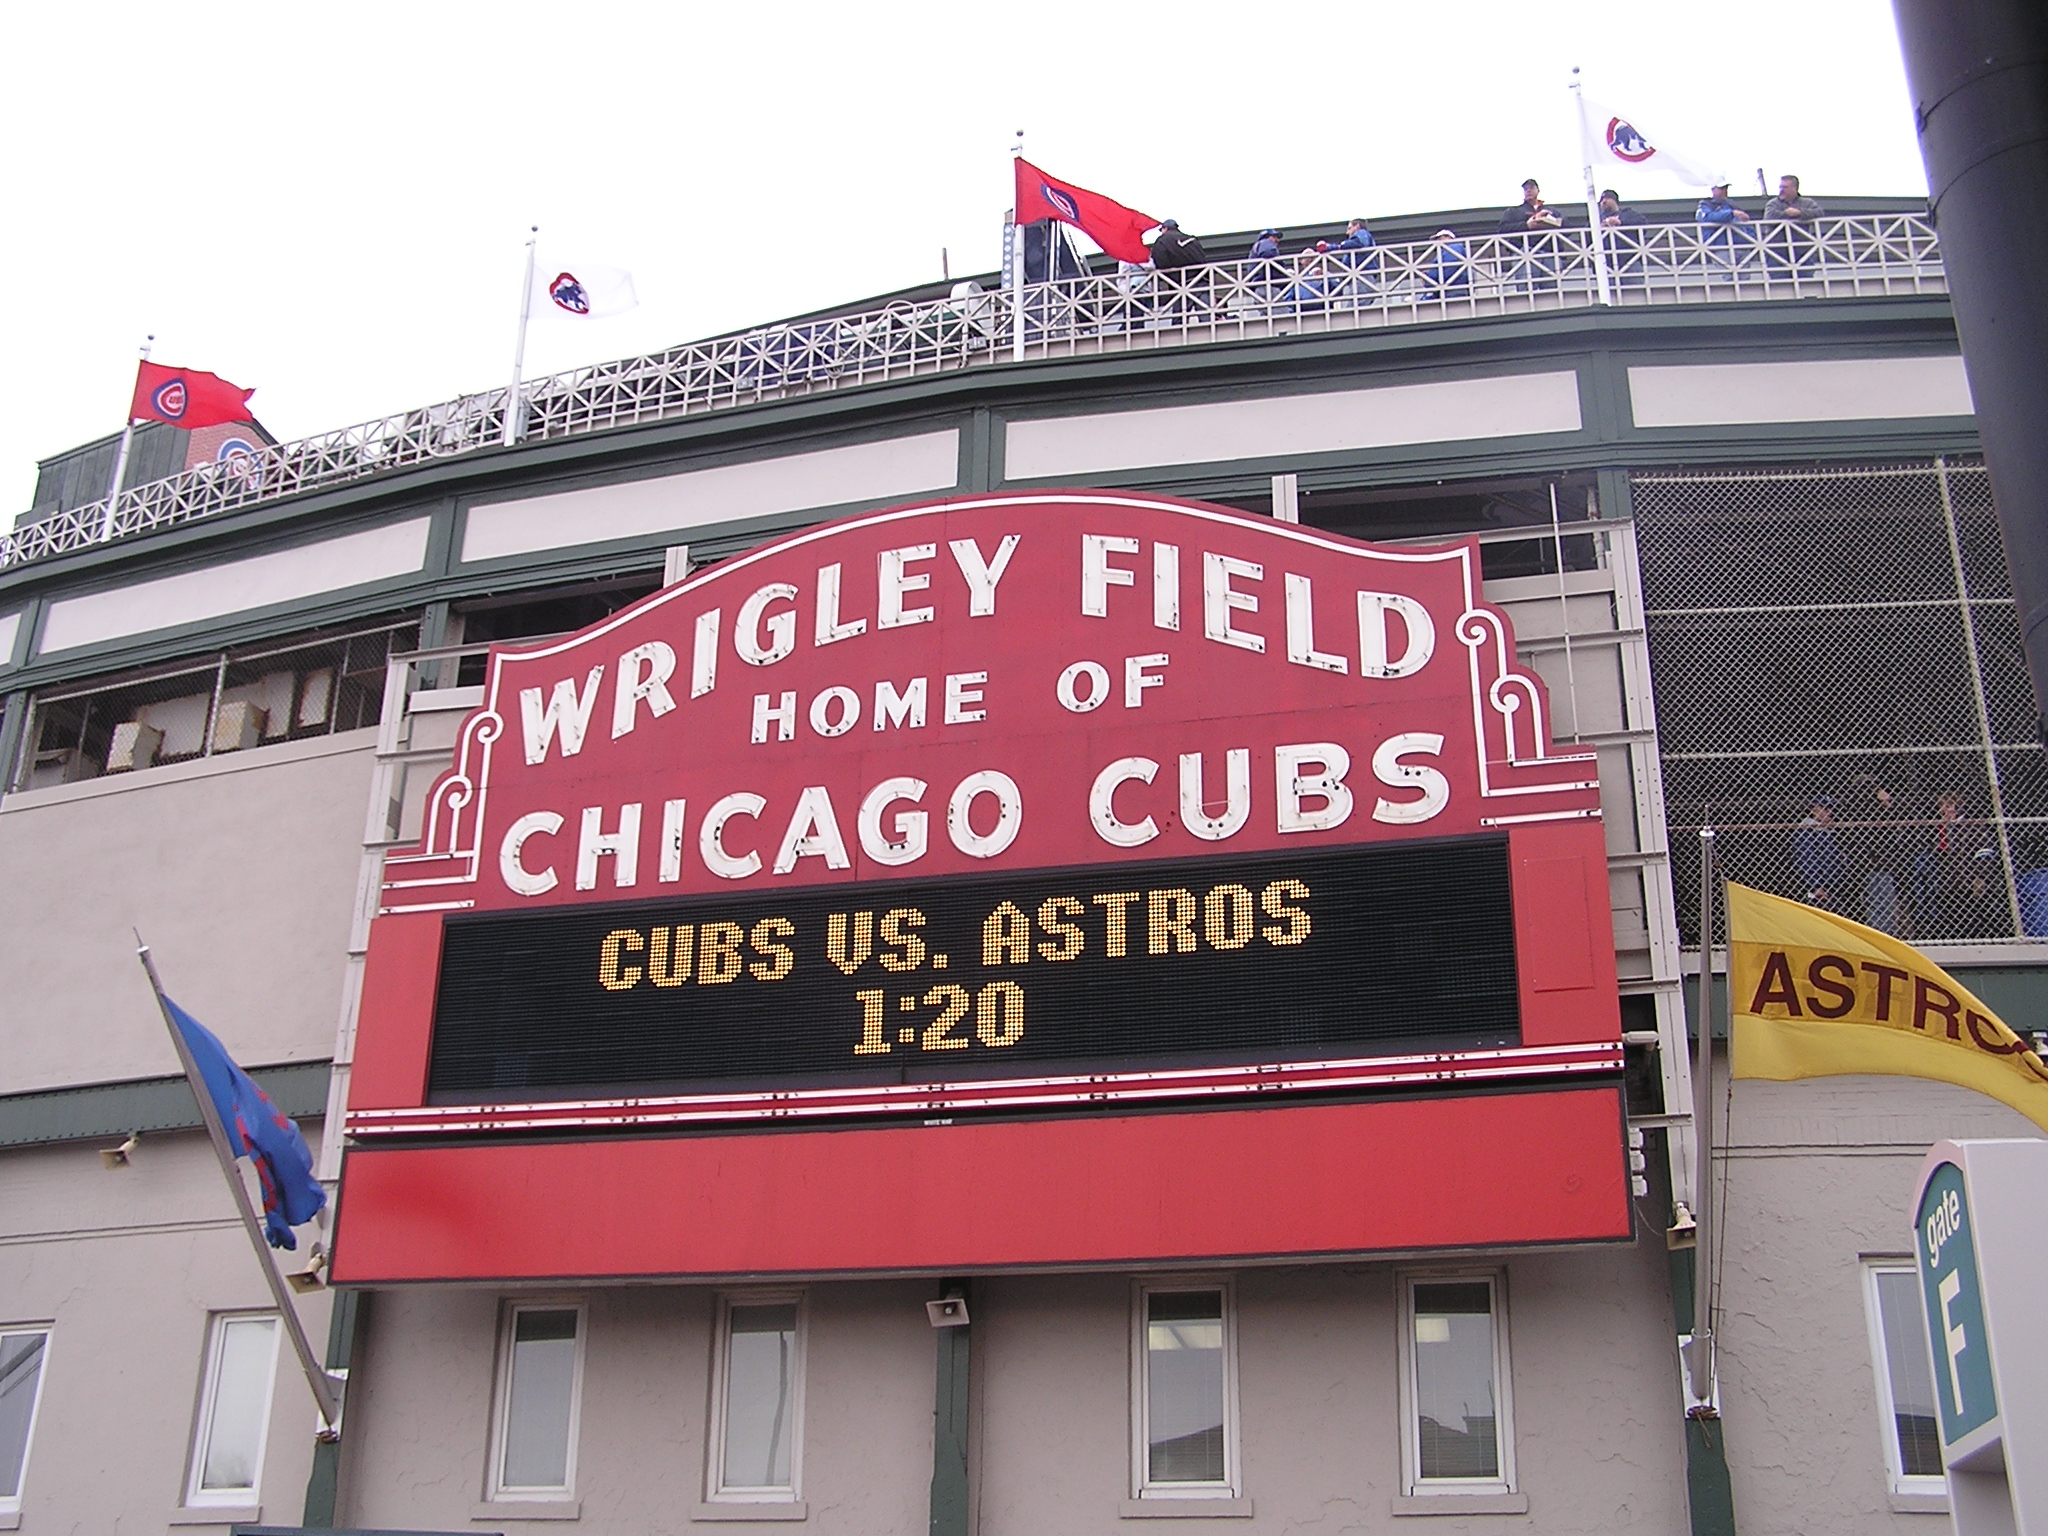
column 1978, row 72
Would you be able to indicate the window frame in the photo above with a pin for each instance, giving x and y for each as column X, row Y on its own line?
column 1141, row 1483
column 197, row 1497
column 497, row 1491
column 1413, row 1483
column 10, row 1504
column 716, row 1490
column 1897, row 1479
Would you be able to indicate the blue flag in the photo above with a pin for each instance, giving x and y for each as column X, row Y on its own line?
column 258, row 1130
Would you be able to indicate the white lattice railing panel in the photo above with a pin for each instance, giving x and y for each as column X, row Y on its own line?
column 1407, row 284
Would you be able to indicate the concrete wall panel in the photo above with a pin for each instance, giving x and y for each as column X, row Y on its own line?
column 1822, row 1175
column 236, row 586
column 129, row 1265
column 898, row 467
column 1755, row 394
column 1074, row 447
column 239, row 872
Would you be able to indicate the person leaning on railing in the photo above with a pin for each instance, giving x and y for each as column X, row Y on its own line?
column 1355, row 252
column 1448, row 272
column 1717, row 217
column 1794, row 215
column 1532, row 219
column 1177, row 257
column 1625, row 250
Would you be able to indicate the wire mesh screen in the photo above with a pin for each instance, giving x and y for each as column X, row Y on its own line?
column 1842, row 695
column 226, row 702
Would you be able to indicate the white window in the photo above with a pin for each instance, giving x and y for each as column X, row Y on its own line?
column 755, row 1453
column 1905, row 1381
column 22, row 1352
column 539, row 1395
column 234, row 1409
column 1457, row 1429
column 1184, row 1390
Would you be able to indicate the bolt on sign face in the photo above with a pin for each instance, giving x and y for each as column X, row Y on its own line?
column 1028, row 802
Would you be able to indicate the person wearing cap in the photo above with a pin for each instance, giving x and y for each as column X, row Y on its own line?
column 1175, row 256
column 1717, row 218
column 1171, row 249
column 1625, row 251
column 1311, row 280
column 1530, row 218
column 1615, row 214
column 1449, row 270
column 1817, row 854
column 1263, row 262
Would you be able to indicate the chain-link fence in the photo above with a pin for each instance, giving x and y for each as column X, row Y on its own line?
column 311, row 685
column 1841, row 693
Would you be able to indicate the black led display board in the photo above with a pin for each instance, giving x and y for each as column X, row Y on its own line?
column 1319, row 955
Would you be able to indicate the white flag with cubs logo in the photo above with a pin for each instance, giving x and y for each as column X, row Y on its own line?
column 1616, row 140
column 582, row 292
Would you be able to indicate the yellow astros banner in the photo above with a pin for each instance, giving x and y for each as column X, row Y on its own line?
column 1816, row 995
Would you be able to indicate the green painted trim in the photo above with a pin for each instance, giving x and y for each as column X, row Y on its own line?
column 442, row 527
column 13, row 725
column 1708, row 1490
column 2018, row 994
column 346, row 1322
column 56, row 1115
column 981, row 447
column 1710, row 1496
column 949, row 1501
column 1617, row 501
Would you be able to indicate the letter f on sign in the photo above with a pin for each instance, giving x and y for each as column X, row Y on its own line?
column 1957, row 1341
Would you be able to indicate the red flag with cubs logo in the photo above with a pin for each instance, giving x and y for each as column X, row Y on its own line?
column 1117, row 229
column 186, row 397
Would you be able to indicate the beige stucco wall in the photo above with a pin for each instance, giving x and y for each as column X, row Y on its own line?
column 128, row 1266
column 239, row 871
column 1820, row 1176
column 1595, row 1398
column 418, row 1448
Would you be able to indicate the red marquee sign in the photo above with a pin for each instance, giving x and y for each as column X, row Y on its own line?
column 982, row 695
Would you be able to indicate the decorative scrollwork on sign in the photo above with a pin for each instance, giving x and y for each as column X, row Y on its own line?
column 1514, row 741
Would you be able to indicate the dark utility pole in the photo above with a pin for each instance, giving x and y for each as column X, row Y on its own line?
column 1978, row 71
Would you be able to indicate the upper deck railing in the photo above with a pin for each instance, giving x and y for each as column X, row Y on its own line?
column 1418, row 283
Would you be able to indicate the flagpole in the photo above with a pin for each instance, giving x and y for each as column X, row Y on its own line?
column 1592, row 197
column 121, row 453
column 515, row 407
column 324, row 1386
column 1700, row 1355
column 1016, row 261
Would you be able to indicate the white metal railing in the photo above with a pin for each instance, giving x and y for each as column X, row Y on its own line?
column 1468, row 277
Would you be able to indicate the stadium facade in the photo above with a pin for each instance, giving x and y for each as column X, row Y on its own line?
column 1284, row 698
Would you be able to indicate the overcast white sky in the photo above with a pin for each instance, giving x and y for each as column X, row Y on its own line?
column 329, row 202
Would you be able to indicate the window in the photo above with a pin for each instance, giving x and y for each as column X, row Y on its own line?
column 757, row 1392
column 234, row 1410
column 312, row 685
column 22, row 1351
column 1184, row 1392
column 1905, row 1381
column 1456, row 1429
column 540, row 1388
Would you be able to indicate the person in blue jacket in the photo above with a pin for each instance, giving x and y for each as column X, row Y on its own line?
column 1450, row 265
column 1717, row 218
column 1355, row 251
